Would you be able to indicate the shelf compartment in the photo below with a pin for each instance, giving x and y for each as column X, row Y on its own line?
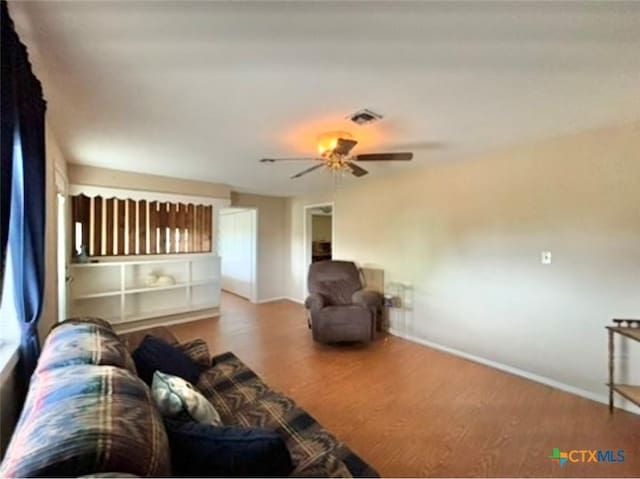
column 92, row 283
column 204, row 294
column 150, row 289
column 198, row 307
column 205, row 268
column 93, row 265
column 116, row 290
column 630, row 329
column 628, row 391
column 204, row 282
column 136, row 273
column 101, row 307
column 632, row 333
column 104, row 262
column 155, row 302
column 166, row 312
column 105, row 294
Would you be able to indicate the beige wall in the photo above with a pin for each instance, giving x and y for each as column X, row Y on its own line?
column 465, row 238
column 8, row 409
column 320, row 227
column 89, row 175
column 272, row 241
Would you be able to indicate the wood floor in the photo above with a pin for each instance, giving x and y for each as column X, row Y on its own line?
column 412, row 411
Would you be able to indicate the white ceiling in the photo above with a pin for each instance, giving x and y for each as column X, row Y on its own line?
column 202, row 90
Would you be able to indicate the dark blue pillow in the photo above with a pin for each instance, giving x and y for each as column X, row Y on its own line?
column 154, row 354
column 203, row 450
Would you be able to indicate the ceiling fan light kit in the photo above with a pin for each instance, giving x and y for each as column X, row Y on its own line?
column 334, row 148
column 328, row 141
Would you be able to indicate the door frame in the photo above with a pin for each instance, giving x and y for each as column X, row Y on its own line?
column 253, row 297
column 306, row 249
column 63, row 226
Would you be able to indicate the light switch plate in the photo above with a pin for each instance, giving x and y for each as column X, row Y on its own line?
column 545, row 257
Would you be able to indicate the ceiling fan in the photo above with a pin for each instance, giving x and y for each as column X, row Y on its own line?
column 334, row 148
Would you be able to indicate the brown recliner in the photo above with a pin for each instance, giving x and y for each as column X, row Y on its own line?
column 340, row 309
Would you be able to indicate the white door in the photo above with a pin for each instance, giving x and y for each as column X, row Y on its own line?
column 237, row 251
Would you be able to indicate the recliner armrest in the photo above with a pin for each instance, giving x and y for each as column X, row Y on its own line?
column 314, row 302
column 367, row 298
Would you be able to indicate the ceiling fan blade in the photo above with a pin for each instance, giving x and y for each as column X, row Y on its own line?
column 356, row 170
column 344, row 146
column 273, row 160
column 308, row 170
column 384, row 157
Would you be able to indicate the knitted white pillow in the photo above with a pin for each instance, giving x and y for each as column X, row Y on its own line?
column 174, row 395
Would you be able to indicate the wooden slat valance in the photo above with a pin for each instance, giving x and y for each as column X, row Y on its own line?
column 117, row 227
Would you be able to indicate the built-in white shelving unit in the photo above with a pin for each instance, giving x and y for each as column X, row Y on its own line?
column 117, row 290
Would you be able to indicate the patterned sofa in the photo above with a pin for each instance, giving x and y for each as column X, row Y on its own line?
column 87, row 412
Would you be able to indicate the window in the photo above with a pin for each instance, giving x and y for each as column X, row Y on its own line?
column 117, row 227
column 9, row 332
column 9, row 327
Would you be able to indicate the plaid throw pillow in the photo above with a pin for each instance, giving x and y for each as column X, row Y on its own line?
column 197, row 350
column 174, row 397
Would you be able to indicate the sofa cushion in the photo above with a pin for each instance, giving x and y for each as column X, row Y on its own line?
column 243, row 399
column 83, row 341
column 86, row 419
column 154, row 354
column 202, row 450
column 343, row 323
column 174, row 397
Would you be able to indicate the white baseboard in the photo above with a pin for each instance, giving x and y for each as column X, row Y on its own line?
column 271, row 300
column 279, row 298
column 294, row 300
column 601, row 398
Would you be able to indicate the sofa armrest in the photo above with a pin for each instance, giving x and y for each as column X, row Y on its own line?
column 367, row 298
column 314, row 302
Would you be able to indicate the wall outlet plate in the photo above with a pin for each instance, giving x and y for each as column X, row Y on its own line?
column 545, row 257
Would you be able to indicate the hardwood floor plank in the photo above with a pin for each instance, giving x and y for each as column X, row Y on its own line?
column 413, row 411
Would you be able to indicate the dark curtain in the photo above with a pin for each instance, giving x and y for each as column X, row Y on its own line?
column 23, row 188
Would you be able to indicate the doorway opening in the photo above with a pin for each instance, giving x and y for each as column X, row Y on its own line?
column 319, row 234
column 237, row 247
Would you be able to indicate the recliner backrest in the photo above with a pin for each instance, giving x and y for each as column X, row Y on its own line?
column 335, row 280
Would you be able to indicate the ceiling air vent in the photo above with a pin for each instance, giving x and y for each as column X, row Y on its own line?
column 364, row 117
